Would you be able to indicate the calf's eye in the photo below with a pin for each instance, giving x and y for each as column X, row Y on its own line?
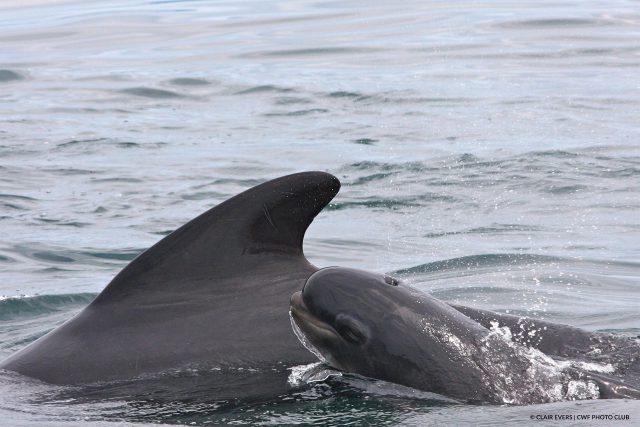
column 351, row 330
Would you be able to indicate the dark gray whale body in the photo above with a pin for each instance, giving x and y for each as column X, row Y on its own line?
column 376, row 326
column 213, row 293
column 213, row 297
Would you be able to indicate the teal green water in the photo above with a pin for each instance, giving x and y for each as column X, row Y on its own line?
column 489, row 154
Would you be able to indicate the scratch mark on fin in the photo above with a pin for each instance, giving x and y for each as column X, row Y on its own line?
column 267, row 215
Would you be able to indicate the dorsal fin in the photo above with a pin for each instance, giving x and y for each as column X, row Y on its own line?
column 263, row 223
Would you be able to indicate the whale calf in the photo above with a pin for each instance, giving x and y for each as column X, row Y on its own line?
column 214, row 293
column 373, row 325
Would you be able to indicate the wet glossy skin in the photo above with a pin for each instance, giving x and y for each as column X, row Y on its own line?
column 372, row 325
column 212, row 293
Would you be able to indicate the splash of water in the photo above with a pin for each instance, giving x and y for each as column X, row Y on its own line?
column 546, row 379
column 305, row 342
column 311, row 373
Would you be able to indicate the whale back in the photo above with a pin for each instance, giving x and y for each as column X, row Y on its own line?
column 262, row 225
column 213, row 292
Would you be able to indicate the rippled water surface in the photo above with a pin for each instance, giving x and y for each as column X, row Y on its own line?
column 489, row 154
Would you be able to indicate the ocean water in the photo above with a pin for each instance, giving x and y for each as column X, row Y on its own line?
column 489, row 154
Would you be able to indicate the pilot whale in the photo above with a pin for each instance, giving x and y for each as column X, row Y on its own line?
column 214, row 297
column 214, row 293
column 373, row 325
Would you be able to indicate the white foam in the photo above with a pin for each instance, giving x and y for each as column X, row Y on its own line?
column 547, row 378
column 311, row 373
column 580, row 390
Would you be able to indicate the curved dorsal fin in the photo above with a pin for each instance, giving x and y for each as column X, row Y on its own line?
column 258, row 226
